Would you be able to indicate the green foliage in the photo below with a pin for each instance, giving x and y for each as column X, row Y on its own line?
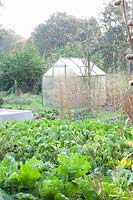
column 86, row 189
column 25, row 196
column 65, row 161
column 59, row 29
column 29, row 102
column 9, row 41
column 25, row 66
column 62, row 32
column 29, row 68
column 113, row 25
column 50, row 189
column 7, row 71
column 1, row 101
column 28, row 176
column 73, row 167
column 12, row 182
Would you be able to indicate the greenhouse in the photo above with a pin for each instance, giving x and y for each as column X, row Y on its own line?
column 73, row 84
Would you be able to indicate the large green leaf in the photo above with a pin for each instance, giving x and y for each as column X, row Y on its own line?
column 28, row 176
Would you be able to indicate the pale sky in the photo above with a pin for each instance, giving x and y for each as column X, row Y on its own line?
column 24, row 15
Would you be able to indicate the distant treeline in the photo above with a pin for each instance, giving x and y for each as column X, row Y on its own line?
column 103, row 42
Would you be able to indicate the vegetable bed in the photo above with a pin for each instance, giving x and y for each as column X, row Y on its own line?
column 56, row 160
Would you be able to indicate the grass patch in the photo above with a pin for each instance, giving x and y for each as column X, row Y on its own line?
column 34, row 103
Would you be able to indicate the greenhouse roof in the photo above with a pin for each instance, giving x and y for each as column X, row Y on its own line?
column 78, row 66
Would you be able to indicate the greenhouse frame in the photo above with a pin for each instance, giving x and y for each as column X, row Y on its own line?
column 72, row 84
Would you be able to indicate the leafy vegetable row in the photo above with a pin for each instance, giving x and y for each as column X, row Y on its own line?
column 65, row 160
